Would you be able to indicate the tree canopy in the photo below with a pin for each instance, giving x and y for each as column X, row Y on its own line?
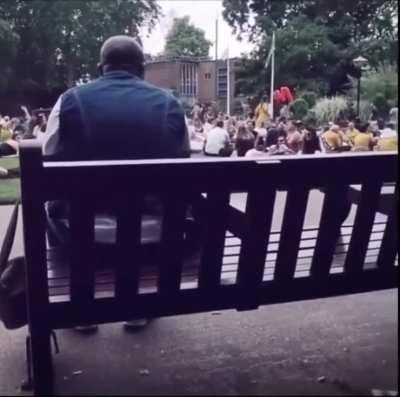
column 316, row 40
column 49, row 43
column 185, row 39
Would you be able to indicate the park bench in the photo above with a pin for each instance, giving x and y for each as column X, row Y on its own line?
column 241, row 262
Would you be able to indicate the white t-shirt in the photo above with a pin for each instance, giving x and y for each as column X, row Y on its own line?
column 261, row 132
column 217, row 138
column 253, row 153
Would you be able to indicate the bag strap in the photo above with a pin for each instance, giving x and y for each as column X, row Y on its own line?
column 9, row 238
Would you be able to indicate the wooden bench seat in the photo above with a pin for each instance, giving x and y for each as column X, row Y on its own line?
column 242, row 260
column 59, row 269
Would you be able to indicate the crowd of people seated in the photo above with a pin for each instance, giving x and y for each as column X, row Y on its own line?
column 14, row 129
column 257, row 135
column 216, row 134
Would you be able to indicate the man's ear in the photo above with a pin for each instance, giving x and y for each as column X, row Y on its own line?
column 141, row 71
column 100, row 68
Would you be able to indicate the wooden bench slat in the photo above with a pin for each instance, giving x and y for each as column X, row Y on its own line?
column 172, row 244
column 363, row 223
column 128, row 243
column 81, row 224
column 216, row 218
column 390, row 241
column 292, row 226
column 259, row 212
column 329, row 230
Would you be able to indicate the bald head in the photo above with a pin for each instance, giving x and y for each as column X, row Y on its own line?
column 122, row 53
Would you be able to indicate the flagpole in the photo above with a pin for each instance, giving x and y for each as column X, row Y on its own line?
column 272, row 76
column 228, row 86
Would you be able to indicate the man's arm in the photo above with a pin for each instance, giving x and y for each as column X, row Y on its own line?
column 176, row 125
column 51, row 139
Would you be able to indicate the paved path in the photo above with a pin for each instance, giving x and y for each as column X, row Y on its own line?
column 352, row 342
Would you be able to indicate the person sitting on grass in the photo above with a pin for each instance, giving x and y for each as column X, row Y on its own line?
column 311, row 142
column 388, row 140
column 244, row 140
column 281, row 148
column 364, row 141
column 218, row 143
column 258, row 150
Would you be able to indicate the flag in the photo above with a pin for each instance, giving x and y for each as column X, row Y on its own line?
column 270, row 51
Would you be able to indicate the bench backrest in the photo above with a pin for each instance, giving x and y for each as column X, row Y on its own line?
column 124, row 183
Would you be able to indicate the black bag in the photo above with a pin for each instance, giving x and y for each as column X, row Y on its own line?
column 13, row 311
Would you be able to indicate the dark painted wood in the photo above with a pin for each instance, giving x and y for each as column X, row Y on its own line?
column 292, row 226
column 364, row 220
column 128, row 242
column 82, row 182
column 390, row 241
column 258, row 216
column 329, row 230
column 172, row 243
column 32, row 187
column 81, row 223
column 217, row 211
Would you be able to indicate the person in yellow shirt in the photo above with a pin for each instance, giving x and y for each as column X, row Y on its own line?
column 332, row 139
column 262, row 112
column 351, row 132
column 388, row 140
column 364, row 140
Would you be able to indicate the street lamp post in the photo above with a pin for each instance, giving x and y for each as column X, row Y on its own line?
column 359, row 63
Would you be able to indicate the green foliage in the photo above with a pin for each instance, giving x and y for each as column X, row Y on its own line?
column 366, row 109
column 381, row 106
column 310, row 97
column 184, row 39
column 350, row 111
column 313, row 38
column 384, row 81
column 299, row 108
column 76, row 27
column 329, row 109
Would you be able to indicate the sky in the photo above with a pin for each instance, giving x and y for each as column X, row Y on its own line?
column 203, row 14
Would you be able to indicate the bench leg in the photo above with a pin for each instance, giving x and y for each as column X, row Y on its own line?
column 42, row 364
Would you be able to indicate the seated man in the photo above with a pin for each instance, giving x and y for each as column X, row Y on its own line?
column 364, row 140
column 217, row 141
column 118, row 116
column 388, row 140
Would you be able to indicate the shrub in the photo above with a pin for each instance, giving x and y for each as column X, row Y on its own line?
column 299, row 108
column 382, row 106
column 310, row 97
column 384, row 81
column 366, row 109
column 329, row 109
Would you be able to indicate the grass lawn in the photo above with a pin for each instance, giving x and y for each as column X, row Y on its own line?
column 9, row 162
column 9, row 188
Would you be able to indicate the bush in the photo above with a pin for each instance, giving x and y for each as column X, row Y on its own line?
column 384, row 81
column 366, row 109
column 310, row 97
column 299, row 108
column 330, row 109
column 382, row 106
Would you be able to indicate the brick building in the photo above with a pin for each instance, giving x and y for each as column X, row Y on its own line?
column 193, row 79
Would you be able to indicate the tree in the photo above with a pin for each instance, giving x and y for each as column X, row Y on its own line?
column 316, row 40
column 59, row 39
column 184, row 39
column 8, row 44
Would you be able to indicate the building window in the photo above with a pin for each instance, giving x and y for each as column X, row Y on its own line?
column 207, row 76
column 188, row 86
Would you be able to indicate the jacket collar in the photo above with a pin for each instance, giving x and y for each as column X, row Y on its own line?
column 119, row 74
